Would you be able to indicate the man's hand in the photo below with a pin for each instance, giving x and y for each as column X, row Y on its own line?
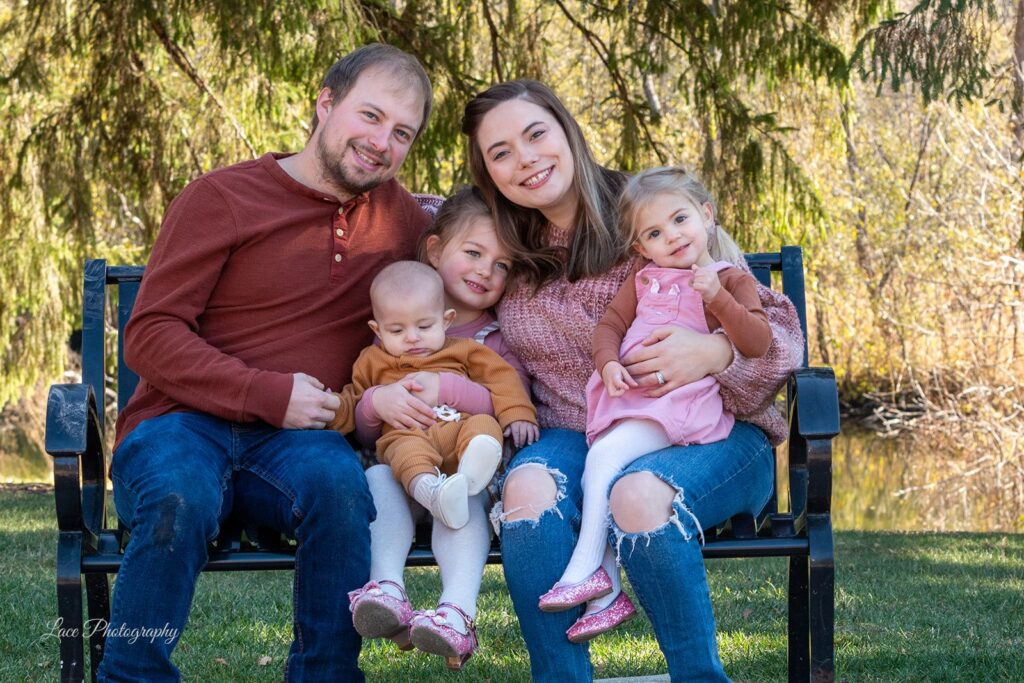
column 431, row 386
column 522, row 432
column 396, row 405
column 705, row 280
column 310, row 406
column 616, row 379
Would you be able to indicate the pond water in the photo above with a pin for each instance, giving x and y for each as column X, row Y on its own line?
column 878, row 483
column 881, row 483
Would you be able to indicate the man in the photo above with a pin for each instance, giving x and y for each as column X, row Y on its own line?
column 253, row 306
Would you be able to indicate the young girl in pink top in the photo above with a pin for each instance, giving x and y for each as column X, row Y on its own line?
column 689, row 278
column 463, row 247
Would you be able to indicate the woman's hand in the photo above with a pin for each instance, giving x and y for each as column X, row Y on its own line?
column 430, row 383
column 522, row 432
column 681, row 356
column 396, row 405
column 616, row 379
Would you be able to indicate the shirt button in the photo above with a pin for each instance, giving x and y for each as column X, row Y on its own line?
column 339, row 232
column 341, row 211
column 337, row 258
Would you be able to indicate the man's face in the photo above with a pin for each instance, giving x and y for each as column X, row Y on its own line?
column 363, row 139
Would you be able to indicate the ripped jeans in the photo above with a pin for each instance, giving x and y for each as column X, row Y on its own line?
column 176, row 479
column 665, row 566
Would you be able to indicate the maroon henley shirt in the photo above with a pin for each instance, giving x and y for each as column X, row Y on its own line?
column 254, row 277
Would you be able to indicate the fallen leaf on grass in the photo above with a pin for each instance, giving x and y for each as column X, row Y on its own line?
column 221, row 661
column 264, row 660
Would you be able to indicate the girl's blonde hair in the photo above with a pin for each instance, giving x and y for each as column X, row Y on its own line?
column 453, row 217
column 644, row 187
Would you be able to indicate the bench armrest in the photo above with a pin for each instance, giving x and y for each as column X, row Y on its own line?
column 74, row 438
column 817, row 402
column 814, row 421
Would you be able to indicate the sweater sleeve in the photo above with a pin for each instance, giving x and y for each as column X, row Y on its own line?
column 737, row 308
column 511, row 402
column 620, row 314
column 368, row 422
column 749, row 385
column 162, row 341
column 496, row 341
column 464, row 394
column 345, row 418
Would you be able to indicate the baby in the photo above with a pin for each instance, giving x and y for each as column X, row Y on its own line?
column 456, row 457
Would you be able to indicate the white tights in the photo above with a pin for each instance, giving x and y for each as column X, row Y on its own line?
column 617, row 447
column 461, row 553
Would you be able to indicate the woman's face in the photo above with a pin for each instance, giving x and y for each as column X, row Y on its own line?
column 528, row 157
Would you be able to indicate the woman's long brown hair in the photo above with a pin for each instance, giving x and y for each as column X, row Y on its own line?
column 596, row 243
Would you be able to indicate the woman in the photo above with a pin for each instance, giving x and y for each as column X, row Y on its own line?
column 555, row 206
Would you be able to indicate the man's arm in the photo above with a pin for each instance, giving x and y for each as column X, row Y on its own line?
column 162, row 342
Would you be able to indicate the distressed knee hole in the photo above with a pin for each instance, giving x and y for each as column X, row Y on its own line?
column 530, row 490
column 640, row 501
column 653, row 520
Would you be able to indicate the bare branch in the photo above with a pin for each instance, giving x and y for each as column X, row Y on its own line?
column 179, row 57
column 499, row 72
column 617, row 78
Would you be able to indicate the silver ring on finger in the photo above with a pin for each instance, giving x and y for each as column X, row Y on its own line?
column 659, row 376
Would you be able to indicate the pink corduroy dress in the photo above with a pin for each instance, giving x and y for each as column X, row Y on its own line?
column 690, row 414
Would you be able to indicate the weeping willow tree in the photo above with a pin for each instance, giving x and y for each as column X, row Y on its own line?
column 111, row 108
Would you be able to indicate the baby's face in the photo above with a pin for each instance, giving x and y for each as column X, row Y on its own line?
column 413, row 325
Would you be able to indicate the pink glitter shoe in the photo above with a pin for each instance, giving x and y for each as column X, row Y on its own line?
column 563, row 596
column 589, row 625
column 431, row 633
column 376, row 614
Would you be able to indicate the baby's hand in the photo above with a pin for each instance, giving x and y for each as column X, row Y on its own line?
column 522, row 432
column 616, row 379
column 431, row 383
column 705, row 281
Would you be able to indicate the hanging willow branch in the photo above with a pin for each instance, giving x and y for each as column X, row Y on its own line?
column 617, row 77
column 939, row 45
column 178, row 56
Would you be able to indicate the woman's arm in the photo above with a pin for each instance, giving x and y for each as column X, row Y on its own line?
column 748, row 384
column 680, row 354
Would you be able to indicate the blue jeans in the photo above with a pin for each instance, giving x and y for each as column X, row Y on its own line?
column 177, row 477
column 665, row 566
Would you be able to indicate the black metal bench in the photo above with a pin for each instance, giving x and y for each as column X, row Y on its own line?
column 91, row 544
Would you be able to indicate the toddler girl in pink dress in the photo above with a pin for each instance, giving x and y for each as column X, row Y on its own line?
column 692, row 275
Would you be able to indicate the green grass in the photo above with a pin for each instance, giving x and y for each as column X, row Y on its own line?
column 909, row 607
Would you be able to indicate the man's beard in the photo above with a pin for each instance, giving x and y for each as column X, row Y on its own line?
column 333, row 169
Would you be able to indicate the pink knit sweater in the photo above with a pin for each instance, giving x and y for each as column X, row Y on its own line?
column 552, row 331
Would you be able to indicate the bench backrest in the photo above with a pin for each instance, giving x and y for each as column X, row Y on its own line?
column 124, row 282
